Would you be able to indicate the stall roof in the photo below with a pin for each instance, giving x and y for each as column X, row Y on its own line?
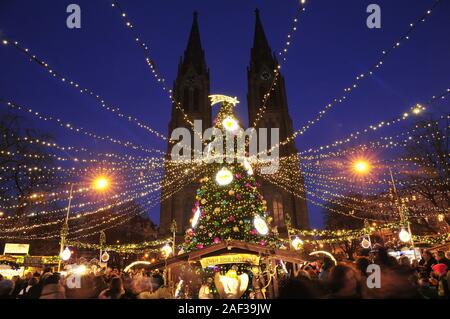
column 228, row 247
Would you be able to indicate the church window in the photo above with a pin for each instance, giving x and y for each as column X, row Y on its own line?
column 278, row 214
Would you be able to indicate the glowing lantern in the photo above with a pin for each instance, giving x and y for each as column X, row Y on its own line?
column 105, row 257
column 224, row 177
column 196, row 217
column 66, row 254
column 404, row 236
column 297, row 243
column 166, row 251
column 230, row 124
column 365, row 243
column 260, row 225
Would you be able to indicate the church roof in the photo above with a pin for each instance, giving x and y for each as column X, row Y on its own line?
column 194, row 54
column 261, row 51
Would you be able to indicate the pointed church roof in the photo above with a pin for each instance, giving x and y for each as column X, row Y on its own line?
column 194, row 53
column 261, row 50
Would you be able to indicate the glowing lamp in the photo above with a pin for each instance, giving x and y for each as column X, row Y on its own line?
column 66, row 254
column 101, row 183
column 404, row 236
column 361, row 167
column 297, row 243
column 196, row 217
column 230, row 124
column 224, row 177
column 166, row 250
column 260, row 225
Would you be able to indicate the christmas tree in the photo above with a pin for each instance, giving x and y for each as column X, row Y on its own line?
column 229, row 205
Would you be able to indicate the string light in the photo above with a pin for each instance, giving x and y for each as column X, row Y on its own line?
column 79, row 88
column 359, row 78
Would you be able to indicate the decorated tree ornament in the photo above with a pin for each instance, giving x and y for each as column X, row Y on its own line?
column 248, row 167
column 260, row 225
column 196, row 217
column 224, row 176
column 230, row 124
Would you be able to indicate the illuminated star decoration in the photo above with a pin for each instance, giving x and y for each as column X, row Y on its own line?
column 217, row 98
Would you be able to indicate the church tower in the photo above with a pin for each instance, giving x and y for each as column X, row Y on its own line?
column 260, row 74
column 191, row 89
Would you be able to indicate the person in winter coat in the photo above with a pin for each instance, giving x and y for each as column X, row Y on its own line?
column 115, row 290
column 52, row 288
column 440, row 280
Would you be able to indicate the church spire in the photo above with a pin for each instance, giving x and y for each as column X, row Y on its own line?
column 261, row 50
column 194, row 53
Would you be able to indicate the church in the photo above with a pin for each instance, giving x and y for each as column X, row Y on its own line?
column 192, row 89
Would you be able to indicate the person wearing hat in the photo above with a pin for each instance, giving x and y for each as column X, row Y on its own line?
column 440, row 279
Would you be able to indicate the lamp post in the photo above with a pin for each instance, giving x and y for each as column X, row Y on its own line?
column 403, row 216
column 363, row 167
column 65, row 229
column 101, row 183
column 173, row 229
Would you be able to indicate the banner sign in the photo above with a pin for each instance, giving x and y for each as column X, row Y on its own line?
column 14, row 249
column 230, row 259
column 33, row 261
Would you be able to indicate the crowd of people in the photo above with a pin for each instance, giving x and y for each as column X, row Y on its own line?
column 427, row 278
column 94, row 284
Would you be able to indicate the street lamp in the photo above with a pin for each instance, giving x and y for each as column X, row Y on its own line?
column 101, row 183
column 363, row 167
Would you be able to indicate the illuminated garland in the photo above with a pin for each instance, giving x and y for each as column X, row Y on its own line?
column 79, row 88
column 148, row 246
column 376, row 127
column 345, row 232
column 81, row 130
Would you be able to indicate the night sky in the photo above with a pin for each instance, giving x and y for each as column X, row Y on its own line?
column 331, row 47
